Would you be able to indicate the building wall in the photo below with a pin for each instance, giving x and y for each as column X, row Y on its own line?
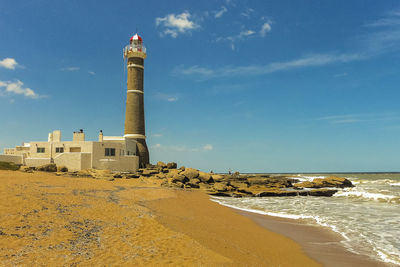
column 74, row 161
column 17, row 159
column 119, row 162
column 36, row 162
column 85, row 146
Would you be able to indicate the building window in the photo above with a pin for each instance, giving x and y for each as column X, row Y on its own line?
column 109, row 152
column 40, row 150
column 74, row 149
column 59, row 150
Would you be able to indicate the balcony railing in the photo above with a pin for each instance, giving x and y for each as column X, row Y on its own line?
column 134, row 48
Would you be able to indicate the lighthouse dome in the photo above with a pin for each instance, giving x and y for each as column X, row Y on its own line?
column 136, row 37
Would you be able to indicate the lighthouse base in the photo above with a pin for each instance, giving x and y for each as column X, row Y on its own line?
column 138, row 147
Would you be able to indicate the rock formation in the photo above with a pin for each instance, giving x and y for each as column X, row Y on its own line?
column 236, row 185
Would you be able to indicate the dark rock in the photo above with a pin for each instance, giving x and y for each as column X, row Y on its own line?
column 134, row 176
column 172, row 165
column 277, row 193
column 149, row 172
column 205, row 177
column 322, row 192
column 48, row 168
column 62, row 169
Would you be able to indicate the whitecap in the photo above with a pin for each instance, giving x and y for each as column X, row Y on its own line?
column 366, row 195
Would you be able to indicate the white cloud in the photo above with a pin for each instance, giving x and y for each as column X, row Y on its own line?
column 71, row 69
column 208, row 147
column 362, row 117
column 392, row 19
column 17, row 88
column 156, row 146
column 8, row 63
column 157, row 135
column 247, row 12
column 221, row 12
column 384, row 22
column 176, row 24
column 92, row 72
column 241, row 36
column 265, row 28
column 193, row 70
column 246, row 33
column 166, row 97
column 303, row 62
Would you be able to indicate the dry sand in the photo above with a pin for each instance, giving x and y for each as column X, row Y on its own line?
column 56, row 221
column 51, row 220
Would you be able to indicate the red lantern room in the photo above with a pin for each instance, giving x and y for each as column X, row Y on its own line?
column 136, row 38
column 135, row 46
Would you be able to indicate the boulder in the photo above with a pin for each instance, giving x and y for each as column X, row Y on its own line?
column 220, row 187
column 48, row 168
column 173, row 172
column 190, row 184
column 217, row 177
column 194, row 181
column 178, row 185
column 160, row 176
column 62, row 168
column 27, row 169
column 205, row 177
column 239, row 185
column 161, row 164
column 305, row 184
column 172, row 165
column 279, row 182
column 179, row 178
column 322, row 192
column 149, row 172
column 190, row 173
column 331, row 181
column 134, row 176
column 277, row 193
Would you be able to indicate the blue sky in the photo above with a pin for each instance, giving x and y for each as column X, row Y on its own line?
column 254, row 86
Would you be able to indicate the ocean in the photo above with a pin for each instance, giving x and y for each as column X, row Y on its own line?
column 367, row 215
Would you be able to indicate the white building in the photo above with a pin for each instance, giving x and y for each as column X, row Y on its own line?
column 109, row 152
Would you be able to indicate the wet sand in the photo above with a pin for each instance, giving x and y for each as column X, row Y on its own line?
column 320, row 243
column 52, row 220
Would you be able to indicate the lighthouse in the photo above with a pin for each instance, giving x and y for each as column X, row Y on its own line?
column 134, row 134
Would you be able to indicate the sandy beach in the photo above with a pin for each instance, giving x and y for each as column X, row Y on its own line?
column 52, row 220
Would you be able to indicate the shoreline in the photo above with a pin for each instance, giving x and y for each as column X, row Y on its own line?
column 49, row 219
column 319, row 243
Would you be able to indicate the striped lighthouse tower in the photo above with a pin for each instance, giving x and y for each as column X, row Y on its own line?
column 135, row 135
